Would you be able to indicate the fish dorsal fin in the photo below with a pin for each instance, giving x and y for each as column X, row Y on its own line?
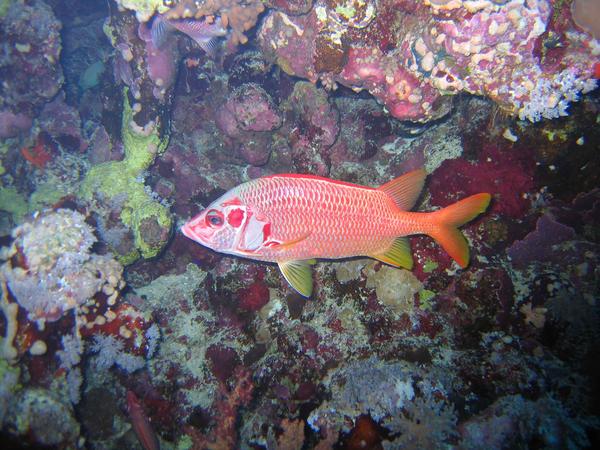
column 298, row 274
column 405, row 189
column 159, row 31
column 398, row 254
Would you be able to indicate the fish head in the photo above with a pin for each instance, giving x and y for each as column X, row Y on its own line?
column 220, row 226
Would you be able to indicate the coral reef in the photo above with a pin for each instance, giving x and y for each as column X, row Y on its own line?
column 441, row 48
column 118, row 186
column 31, row 71
column 239, row 15
column 49, row 268
column 116, row 331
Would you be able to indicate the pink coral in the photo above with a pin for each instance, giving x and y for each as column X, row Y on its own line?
column 435, row 49
column 13, row 124
column 161, row 61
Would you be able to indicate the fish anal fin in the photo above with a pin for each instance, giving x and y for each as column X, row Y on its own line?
column 398, row 254
column 405, row 189
column 158, row 32
column 299, row 275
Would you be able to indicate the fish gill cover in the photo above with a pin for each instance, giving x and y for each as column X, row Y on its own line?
column 121, row 120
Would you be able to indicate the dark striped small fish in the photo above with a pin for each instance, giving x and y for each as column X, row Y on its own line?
column 205, row 32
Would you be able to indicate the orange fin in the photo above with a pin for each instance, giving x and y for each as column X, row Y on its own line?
column 405, row 189
column 454, row 216
column 398, row 254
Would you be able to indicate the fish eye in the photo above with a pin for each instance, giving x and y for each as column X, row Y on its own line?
column 214, row 218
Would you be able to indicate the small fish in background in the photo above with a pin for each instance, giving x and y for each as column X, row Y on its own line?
column 205, row 32
column 38, row 155
column 293, row 219
column 141, row 423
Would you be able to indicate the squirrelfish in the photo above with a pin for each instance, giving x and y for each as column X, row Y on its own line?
column 293, row 219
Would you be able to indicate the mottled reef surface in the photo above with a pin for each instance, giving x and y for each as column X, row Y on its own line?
column 120, row 120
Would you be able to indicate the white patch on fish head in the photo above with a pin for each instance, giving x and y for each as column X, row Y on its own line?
column 220, row 225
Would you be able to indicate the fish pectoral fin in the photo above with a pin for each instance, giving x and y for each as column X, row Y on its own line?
column 299, row 275
column 286, row 244
column 399, row 254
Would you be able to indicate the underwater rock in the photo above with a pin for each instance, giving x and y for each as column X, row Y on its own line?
column 31, row 71
column 41, row 418
column 413, row 56
column 50, row 268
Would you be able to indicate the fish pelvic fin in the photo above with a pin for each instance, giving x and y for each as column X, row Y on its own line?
column 398, row 255
column 447, row 220
column 299, row 275
column 405, row 190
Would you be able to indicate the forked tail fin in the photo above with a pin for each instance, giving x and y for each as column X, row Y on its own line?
column 447, row 220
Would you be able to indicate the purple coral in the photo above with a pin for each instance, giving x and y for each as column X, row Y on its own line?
column 30, row 65
column 161, row 61
column 539, row 244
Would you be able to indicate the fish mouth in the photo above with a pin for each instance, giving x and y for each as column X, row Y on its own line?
column 187, row 232
column 195, row 235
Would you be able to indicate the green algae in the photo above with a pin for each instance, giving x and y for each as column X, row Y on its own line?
column 123, row 181
column 45, row 195
column 429, row 266
column 13, row 202
column 425, row 296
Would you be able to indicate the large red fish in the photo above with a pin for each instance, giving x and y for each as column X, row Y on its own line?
column 293, row 219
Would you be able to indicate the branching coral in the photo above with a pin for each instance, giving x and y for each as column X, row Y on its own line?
column 426, row 423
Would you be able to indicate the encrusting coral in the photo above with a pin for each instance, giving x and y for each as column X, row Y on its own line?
column 240, row 15
column 50, row 269
column 121, row 182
